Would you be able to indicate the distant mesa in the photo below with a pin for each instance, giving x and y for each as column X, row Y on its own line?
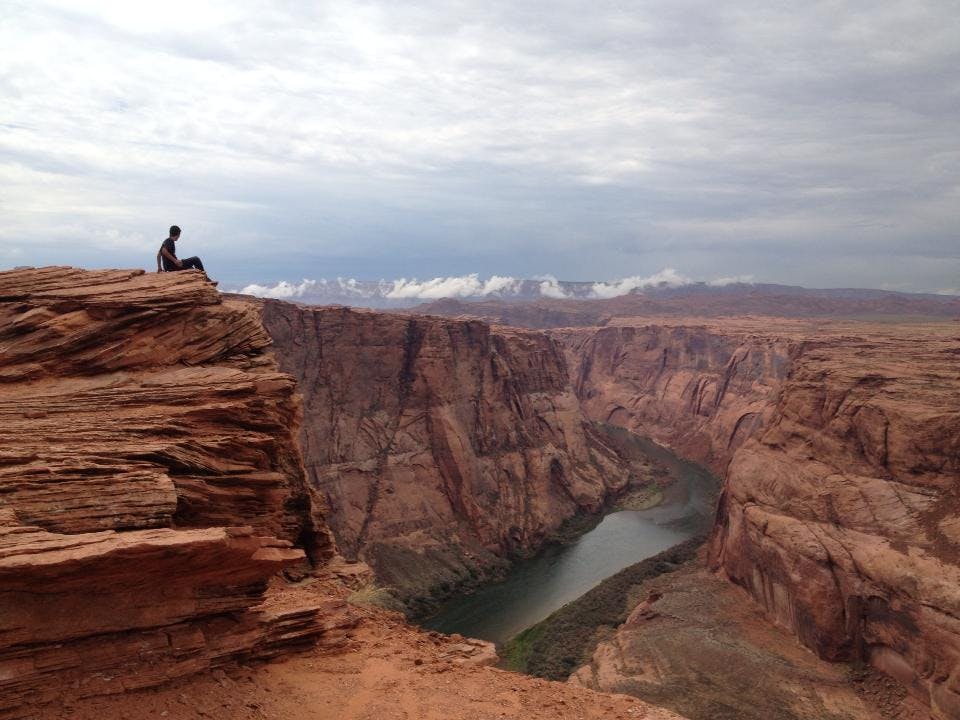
column 548, row 302
column 406, row 293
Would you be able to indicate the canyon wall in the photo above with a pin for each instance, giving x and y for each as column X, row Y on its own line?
column 150, row 484
column 840, row 447
column 699, row 391
column 842, row 519
column 152, row 480
column 442, row 447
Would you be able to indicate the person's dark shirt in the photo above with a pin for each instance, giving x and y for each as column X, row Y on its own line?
column 171, row 248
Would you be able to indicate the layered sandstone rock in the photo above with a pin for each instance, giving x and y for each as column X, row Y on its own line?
column 150, row 483
column 841, row 518
column 442, row 447
column 696, row 645
column 840, row 443
column 687, row 386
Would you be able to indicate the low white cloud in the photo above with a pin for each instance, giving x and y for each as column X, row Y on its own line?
column 471, row 286
column 499, row 285
column 283, row 290
column 450, row 287
column 731, row 280
column 668, row 277
column 550, row 287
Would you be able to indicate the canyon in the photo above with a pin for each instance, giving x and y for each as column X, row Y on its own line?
column 443, row 448
column 191, row 480
column 157, row 522
column 838, row 440
column 840, row 447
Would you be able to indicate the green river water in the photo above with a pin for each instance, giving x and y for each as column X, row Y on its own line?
column 535, row 588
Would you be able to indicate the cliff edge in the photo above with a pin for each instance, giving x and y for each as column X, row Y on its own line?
column 150, row 484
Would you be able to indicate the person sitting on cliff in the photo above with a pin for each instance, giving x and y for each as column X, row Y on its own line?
column 167, row 255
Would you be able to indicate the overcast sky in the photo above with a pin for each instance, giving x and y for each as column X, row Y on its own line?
column 813, row 143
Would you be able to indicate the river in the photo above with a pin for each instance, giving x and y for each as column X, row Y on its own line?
column 536, row 587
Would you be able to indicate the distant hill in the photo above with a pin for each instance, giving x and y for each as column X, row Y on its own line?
column 703, row 300
column 547, row 302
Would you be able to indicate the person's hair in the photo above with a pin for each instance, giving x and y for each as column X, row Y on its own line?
column 174, row 231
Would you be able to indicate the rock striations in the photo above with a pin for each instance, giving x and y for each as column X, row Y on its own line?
column 842, row 519
column 150, row 484
column 840, row 446
column 701, row 392
column 442, row 447
column 152, row 481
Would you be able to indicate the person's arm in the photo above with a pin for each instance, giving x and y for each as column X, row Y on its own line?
column 159, row 269
column 170, row 256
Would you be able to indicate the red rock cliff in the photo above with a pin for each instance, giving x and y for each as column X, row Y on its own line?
column 441, row 446
column 150, row 483
column 701, row 392
column 840, row 446
column 843, row 518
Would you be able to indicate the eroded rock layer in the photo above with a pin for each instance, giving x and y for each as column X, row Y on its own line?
column 696, row 645
column 441, row 446
column 699, row 391
column 840, row 443
column 843, row 517
column 150, row 483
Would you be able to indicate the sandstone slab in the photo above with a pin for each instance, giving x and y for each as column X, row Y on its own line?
column 151, row 484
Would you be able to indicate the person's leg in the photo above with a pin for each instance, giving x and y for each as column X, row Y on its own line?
column 192, row 263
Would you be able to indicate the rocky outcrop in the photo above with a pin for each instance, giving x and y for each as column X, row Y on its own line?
column 442, row 447
column 150, row 483
column 840, row 447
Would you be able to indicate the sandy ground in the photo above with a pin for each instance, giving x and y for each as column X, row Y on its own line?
column 390, row 671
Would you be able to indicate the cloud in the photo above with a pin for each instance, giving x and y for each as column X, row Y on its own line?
column 283, row 290
column 470, row 286
column 550, row 287
column 732, row 280
column 450, row 287
column 804, row 143
column 667, row 277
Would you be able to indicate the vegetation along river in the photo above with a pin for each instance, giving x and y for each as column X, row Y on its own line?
column 536, row 587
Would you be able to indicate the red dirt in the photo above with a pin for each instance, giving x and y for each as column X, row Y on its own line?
column 389, row 671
